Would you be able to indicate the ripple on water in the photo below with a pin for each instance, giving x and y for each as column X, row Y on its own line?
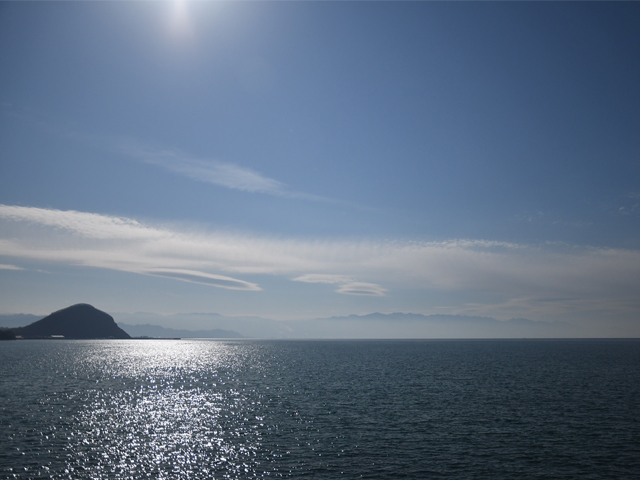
column 249, row 409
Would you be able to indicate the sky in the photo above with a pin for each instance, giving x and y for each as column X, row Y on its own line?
column 295, row 160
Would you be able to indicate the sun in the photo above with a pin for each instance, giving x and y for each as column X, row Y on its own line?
column 179, row 19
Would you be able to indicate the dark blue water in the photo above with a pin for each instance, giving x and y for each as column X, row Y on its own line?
column 325, row 409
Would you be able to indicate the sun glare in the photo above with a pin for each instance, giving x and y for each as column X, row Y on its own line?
column 179, row 22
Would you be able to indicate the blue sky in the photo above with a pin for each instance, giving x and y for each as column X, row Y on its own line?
column 304, row 159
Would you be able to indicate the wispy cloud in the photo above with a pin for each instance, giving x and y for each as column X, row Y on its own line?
column 524, row 275
column 9, row 267
column 209, row 171
column 322, row 278
column 214, row 172
column 203, row 278
column 346, row 285
column 362, row 288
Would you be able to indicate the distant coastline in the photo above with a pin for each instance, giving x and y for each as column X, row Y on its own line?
column 370, row 326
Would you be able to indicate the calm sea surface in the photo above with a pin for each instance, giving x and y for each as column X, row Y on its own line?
column 324, row 409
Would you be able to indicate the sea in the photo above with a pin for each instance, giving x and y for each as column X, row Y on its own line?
column 244, row 409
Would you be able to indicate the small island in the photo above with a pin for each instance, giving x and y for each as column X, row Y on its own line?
column 81, row 321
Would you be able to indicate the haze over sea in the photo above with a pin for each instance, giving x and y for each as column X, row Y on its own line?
column 350, row 409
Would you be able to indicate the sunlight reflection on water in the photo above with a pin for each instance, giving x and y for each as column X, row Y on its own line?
column 159, row 408
column 170, row 421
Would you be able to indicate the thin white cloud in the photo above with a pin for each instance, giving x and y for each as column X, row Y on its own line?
column 524, row 275
column 322, row 278
column 215, row 172
column 203, row 278
column 209, row 171
column 89, row 225
column 362, row 289
column 346, row 285
column 9, row 267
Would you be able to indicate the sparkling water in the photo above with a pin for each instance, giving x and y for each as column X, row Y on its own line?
column 202, row 409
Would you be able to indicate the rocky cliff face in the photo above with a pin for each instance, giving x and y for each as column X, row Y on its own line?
column 78, row 321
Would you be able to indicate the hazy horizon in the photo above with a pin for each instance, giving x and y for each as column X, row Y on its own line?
column 370, row 326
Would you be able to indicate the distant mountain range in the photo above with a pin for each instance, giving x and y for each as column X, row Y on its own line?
column 18, row 320
column 204, row 325
column 374, row 325
column 155, row 331
column 411, row 325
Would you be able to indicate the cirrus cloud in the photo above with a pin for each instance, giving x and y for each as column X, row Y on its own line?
column 203, row 278
column 533, row 278
column 346, row 285
column 214, row 172
column 9, row 267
